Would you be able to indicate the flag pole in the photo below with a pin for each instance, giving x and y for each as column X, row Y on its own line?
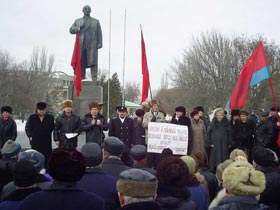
column 124, row 40
column 109, row 67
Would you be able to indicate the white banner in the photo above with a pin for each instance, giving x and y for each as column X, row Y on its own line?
column 166, row 135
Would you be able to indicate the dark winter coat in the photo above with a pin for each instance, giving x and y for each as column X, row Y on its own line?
column 6, row 171
column 219, row 138
column 103, row 185
column 264, row 134
column 184, row 120
column 243, row 135
column 239, row 203
column 150, row 205
column 67, row 124
column 174, row 198
column 41, row 182
column 12, row 202
column 94, row 133
column 124, row 131
column 113, row 165
column 212, row 182
column 139, row 133
column 63, row 196
column 41, row 133
column 8, row 130
column 270, row 195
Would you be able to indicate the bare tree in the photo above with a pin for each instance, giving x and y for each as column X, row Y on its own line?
column 132, row 92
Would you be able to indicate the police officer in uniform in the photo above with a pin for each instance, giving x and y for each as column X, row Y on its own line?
column 122, row 127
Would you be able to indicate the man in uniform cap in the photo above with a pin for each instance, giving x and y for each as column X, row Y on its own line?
column 113, row 149
column 264, row 131
column 95, row 180
column 137, row 190
column 39, row 128
column 122, row 127
column 67, row 123
column 8, row 127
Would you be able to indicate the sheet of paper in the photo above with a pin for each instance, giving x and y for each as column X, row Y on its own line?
column 70, row 135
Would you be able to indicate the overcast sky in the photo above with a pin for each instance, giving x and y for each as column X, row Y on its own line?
column 168, row 28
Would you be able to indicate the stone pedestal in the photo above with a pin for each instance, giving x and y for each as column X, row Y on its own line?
column 90, row 92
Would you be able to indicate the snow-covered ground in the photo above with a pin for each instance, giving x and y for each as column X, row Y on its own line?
column 20, row 125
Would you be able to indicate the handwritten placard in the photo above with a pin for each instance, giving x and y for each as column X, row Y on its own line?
column 165, row 135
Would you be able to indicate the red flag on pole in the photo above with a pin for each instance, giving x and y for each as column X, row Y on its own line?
column 145, row 71
column 76, row 64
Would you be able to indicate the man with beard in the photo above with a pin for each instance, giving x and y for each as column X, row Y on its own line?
column 39, row 128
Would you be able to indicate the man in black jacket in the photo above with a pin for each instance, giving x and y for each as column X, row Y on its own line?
column 8, row 127
column 67, row 124
column 264, row 132
column 39, row 128
column 94, row 123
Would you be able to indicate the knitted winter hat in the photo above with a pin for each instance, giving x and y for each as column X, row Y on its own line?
column 240, row 178
column 10, row 149
column 35, row 157
column 190, row 162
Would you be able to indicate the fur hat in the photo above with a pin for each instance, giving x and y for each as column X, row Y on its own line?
column 202, row 159
column 41, row 105
column 35, row 157
column 140, row 112
column 67, row 103
column 193, row 113
column 274, row 109
column 24, row 174
column 113, row 145
column 166, row 152
column 235, row 112
column 263, row 156
column 6, row 109
column 173, row 171
column 10, row 149
column 221, row 167
column 92, row 153
column 237, row 152
column 67, row 165
column 199, row 108
column 190, row 162
column 241, row 179
column 180, row 109
column 153, row 102
column 137, row 183
column 93, row 105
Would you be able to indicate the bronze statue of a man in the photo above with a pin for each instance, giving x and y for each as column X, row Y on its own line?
column 90, row 41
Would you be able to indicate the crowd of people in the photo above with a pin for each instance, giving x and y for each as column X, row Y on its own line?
column 230, row 163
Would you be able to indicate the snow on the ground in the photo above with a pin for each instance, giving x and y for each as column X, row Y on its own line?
column 20, row 125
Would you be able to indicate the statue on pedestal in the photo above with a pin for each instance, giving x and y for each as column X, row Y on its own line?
column 90, row 41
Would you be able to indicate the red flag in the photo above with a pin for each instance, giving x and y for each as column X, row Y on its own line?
column 254, row 71
column 76, row 64
column 145, row 71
